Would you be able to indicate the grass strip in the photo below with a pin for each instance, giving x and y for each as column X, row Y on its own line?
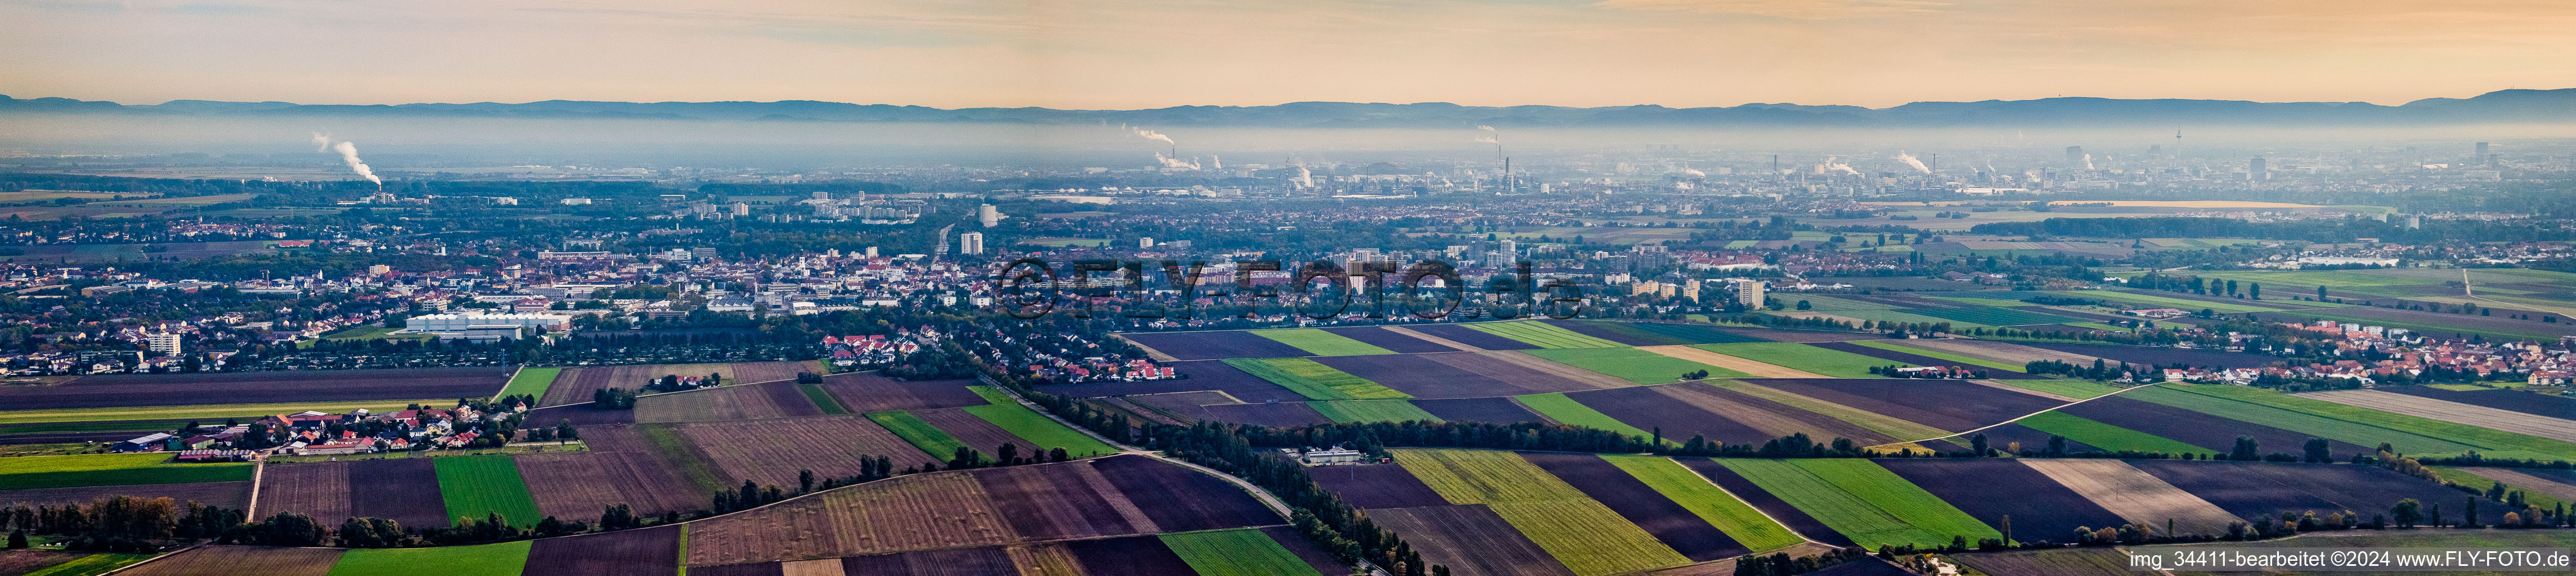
column 503, row 559
column 1838, row 509
column 1321, row 343
column 111, row 470
column 91, row 565
column 475, row 486
column 1041, row 432
column 1542, row 335
column 1314, row 380
column 667, row 440
column 1236, row 552
column 992, row 395
column 531, row 381
column 1898, row 428
column 1835, row 363
column 212, row 413
column 2105, row 436
column 1631, row 364
column 1722, row 510
column 1892, row 346
column 919, row 432
column 1556, row 406
column 822, row 400
column 1348, row 411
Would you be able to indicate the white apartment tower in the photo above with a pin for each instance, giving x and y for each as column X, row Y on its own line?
column 988, row 216
column 1747, row 291
column 970, row 243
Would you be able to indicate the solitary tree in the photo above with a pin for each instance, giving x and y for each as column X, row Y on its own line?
column 2406, row 513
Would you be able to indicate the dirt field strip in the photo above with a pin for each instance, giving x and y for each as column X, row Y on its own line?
column 2518, row 479
column 2018, row 418
column 1757, row 369
column 1552, row 368
column 2003, row 386
column 2005, row 352
column 1706, row 398
column 1150, row 352
column 1432, row 339
column 1892, row 426
column 2134, row 495
column 2453, row 412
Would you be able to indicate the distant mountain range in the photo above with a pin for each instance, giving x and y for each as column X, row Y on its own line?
column 2502, row 106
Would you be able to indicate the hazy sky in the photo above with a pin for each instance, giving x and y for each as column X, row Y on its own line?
column 1153, row 53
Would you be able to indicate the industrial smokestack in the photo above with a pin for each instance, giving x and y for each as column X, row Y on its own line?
column 349, row 153
column 1911, row 161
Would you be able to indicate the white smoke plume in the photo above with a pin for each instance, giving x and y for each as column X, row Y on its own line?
column 2088, row 161
column 1486, row 128
column 1148, row 134
column 1830, row 164
column 1911, row 161
column 1694, row 172
column 321, row 142
column 1305, row 178
column 1170, row 162
column 349, row 154
column 1216, row 161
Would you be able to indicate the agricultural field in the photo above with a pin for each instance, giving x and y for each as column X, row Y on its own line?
column 974, row 431
column 2104, row 436
column 2005, row 353
column 1541, row 335
column 1320, row 343
column 576, row 384
column 1500, row 410
column 1683, row 410
column 870, row 392
column 2247, row 489
column 1468, row 335
column 2502, row 399
column 1955, row 358
column 226, row 494
column 1670, row 522
column 531, row 381
column 773, row 451
column 930, row 439
column 1907, row 357
column 1994, row 489
column 313, row 386
column 1471, row 540
column 1944, row 404
column 2494, row 443
column 34, row 562
column 1280, row 414
column 475, row 486
column 243, row 560
column 1631, row 364
column 735, row 402
column 1992, row 316
column 112, row 469
column 1733, row 364
column 2152, row 299
column 1469, row 374
column 1391, row 339
column 149, row 417
column 1588, row 537
column 503, row 559
column 1895, row 428
column 663, row 445
column 2452, row 412
column 1315, row 380
column 1565, row 410
column 1040, row 431
column 649, row 551
column 1862, row 501
column 1213, row 345
column 1371, row 411
column 2134, row 494
column 1706, row 500
column 1801, row 357
column 579, row 485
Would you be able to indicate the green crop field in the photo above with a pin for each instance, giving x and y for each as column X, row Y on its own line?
column 1585, row 535
column 1898, row 428
column 2471, row 479
column 1994, row 316
column 490, row 484
column 1314, row 380
column 1906, row 316
column 503, row 559
column 1631, row 364
column 2107, row 437
column 111, row 470
column 91, row 565
column 211, row 413
column 1371, row 411
column 2077, row 389
column 822, row 400
column 1556, row 406
column 993, row 396
column 1321, row 343
column 919, row 432
column 1862, row 500
column 667, row 442
column 1982, row 301
column 1835, row 363
column 532, row 382
column 1237, row 552
column 1040, row 431
column 2296, row 421
column 1728, row 513
column 2492, row 442
column 1893, row 346
column 2165, row 302
column 1542, row 335
column 1830, row 304
column 2434, row 324
column 1687, row 333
